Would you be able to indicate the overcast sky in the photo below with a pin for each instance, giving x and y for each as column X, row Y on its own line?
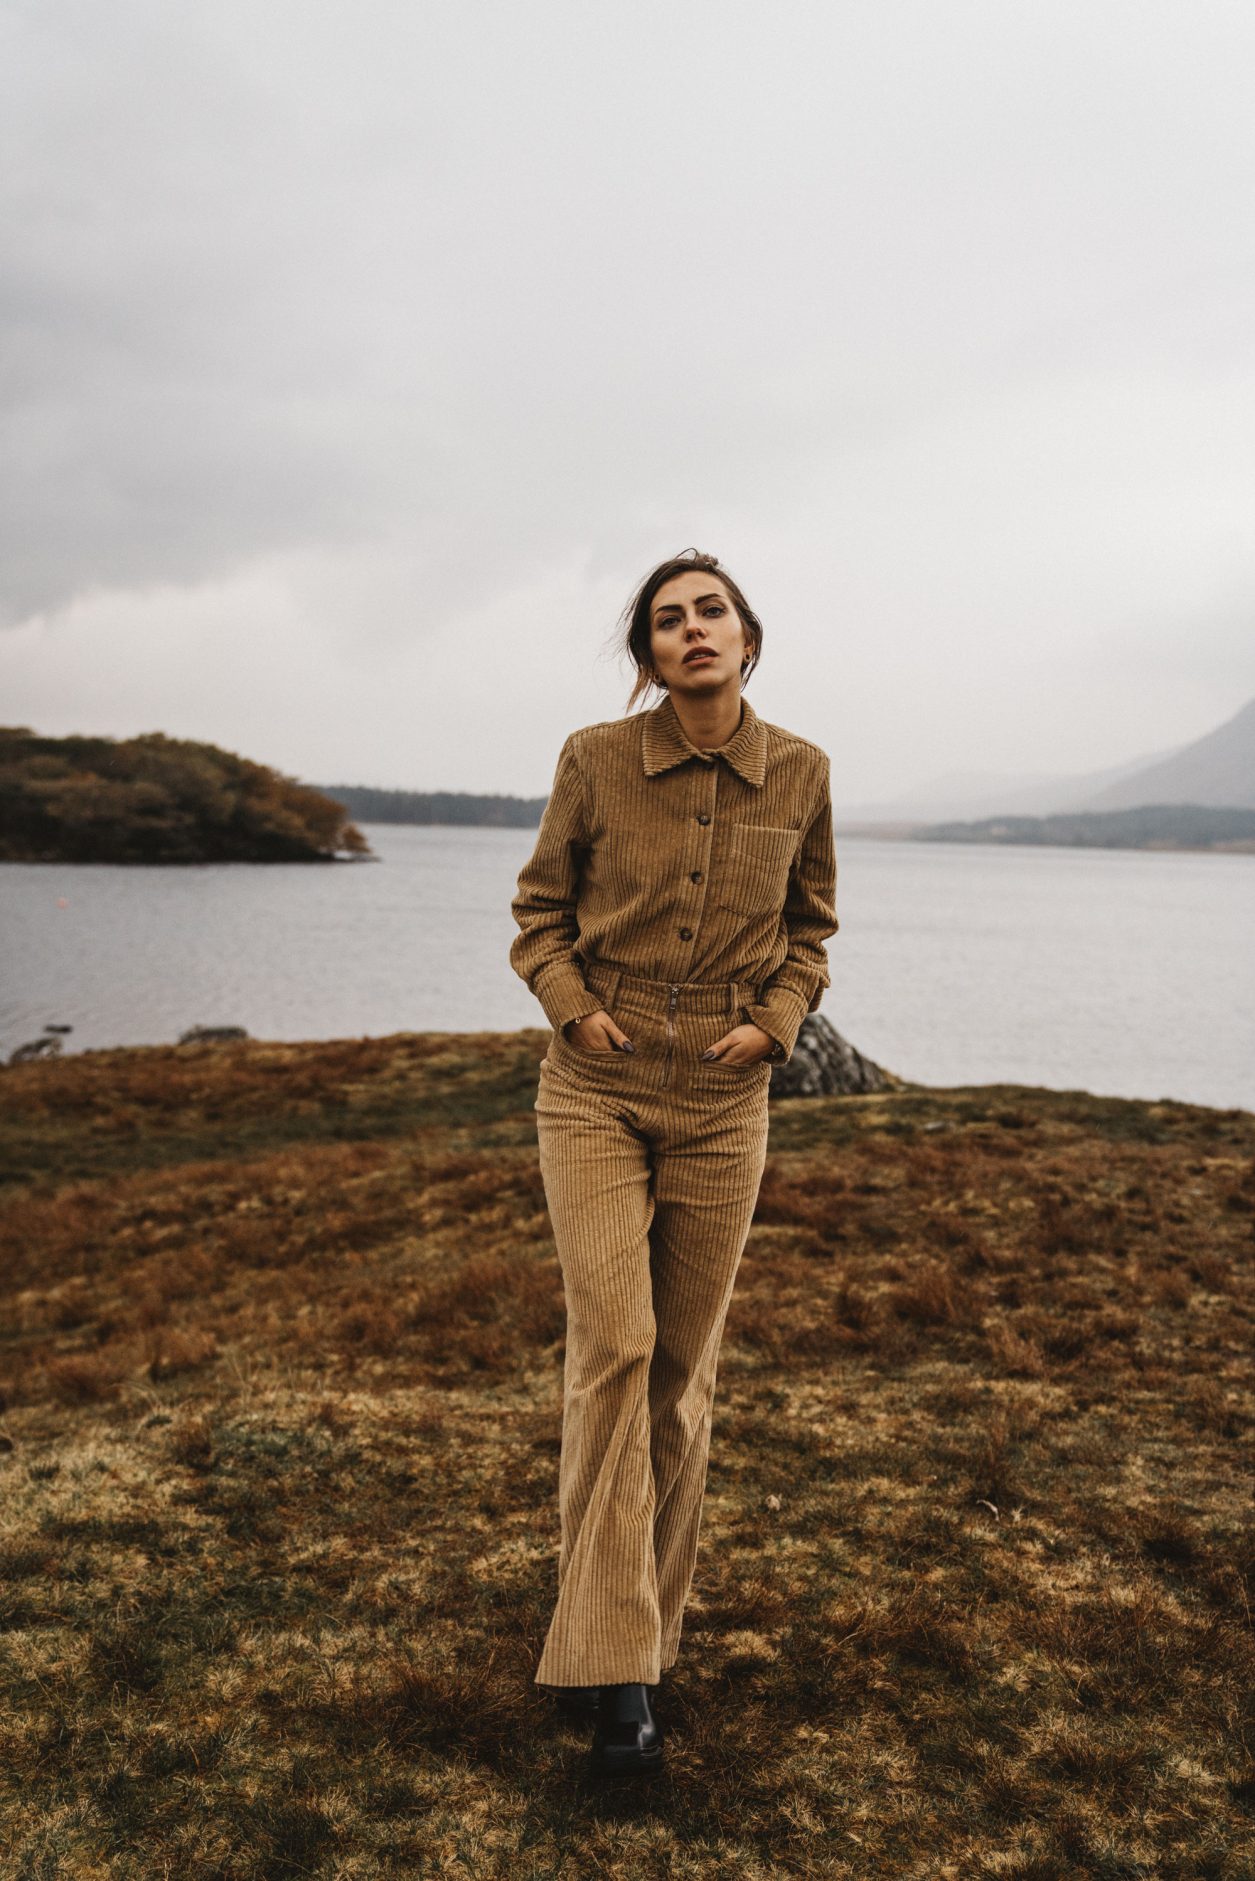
column 358, row 360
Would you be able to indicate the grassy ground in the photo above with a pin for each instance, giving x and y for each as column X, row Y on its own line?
column 281, row 1359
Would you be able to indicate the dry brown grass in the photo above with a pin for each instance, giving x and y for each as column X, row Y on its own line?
column 281, row 1365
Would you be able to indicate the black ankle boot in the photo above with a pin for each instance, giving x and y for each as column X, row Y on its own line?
column 626, row 1740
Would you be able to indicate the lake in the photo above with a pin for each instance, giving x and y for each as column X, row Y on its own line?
column 1122, row 972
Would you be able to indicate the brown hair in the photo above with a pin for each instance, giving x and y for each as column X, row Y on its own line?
column 634, row 623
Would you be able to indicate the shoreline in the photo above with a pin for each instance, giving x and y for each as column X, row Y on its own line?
column 534, row 1039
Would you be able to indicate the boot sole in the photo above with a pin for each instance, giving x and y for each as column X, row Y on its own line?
column 613, row 1760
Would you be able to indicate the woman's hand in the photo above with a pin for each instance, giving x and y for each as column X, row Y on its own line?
column 743, row 1045
column 596, row 1032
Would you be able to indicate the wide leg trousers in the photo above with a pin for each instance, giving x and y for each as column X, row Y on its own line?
column 651, row 1164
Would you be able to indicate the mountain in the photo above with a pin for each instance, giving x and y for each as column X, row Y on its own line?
column 986, row 793
column 1217, row 770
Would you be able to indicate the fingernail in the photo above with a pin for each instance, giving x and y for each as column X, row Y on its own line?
column 627, row 1045
column 710, row 1053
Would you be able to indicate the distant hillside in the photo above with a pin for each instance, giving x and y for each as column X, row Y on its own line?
column 155, row 799
column 1214, row 772
column 370, row 805
column 972, row 794
column 1149, row 826
column 1217, row 769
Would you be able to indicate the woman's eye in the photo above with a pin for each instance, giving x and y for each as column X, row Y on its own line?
column 714, row 608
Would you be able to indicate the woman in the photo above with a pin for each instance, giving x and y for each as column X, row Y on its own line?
column 672, row 924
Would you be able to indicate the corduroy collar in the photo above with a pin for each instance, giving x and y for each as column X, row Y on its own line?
column 663, row 743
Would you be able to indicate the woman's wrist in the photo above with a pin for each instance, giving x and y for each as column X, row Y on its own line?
column 775, row 1050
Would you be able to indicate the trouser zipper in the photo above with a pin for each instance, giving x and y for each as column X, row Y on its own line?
column 674, row 994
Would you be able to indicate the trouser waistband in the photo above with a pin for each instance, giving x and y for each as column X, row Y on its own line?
column 689, row 995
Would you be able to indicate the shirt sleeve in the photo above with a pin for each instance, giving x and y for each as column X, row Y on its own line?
column 544, row 905
column 810, row 916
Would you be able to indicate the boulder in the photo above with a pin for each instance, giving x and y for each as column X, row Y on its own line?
column 824, row 1063
column 46, row 1047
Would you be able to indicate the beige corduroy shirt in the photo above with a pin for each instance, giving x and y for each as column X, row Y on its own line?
column 678, row 865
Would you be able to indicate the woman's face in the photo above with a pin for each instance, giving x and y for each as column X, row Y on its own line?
column 696, row 639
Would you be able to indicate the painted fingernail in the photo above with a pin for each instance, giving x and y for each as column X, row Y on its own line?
column 710, row 1053
column 627, row 1045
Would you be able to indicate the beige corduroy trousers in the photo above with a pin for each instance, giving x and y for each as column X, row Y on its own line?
column 651, row 1164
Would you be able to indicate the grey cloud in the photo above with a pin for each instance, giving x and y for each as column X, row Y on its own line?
column 474, row 288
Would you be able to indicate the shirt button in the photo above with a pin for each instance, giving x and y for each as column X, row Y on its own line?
column 702, row 817
column 696, row 876
column 686, row 933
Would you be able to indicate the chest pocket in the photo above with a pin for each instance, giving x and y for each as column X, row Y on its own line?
column 753, row 875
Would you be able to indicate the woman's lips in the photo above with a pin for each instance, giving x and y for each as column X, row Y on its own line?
column 696, row 659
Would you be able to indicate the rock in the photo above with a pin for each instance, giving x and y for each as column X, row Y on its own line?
column 824, row 1063
column 211, row 1034
column 46, row 1047
column 58, row 1028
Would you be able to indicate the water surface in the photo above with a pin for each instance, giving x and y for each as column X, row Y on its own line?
column 1121, row 972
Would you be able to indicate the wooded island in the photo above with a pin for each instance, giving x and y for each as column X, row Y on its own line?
column 154, row 799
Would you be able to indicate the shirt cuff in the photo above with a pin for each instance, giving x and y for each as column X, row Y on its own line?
column 781, row 1014
column 564, row 996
